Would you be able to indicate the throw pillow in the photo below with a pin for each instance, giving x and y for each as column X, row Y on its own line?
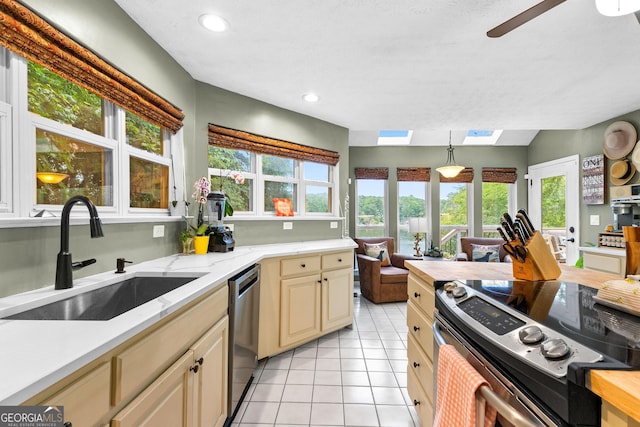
column 485, row 253
column 378, row 250
column 283, row 207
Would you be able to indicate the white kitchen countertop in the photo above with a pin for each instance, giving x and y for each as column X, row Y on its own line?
column 37, row 353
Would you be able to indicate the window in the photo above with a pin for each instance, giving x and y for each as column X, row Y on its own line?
column 371, row 208
column 454, row 215
column 412, row 203
column 79, row 142
column 498, row 197
column 309, row 185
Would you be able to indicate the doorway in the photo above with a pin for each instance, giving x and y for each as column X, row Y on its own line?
column 554, row 201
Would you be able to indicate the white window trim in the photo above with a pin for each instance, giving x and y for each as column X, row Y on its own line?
column 17, row 153
column 386, row 208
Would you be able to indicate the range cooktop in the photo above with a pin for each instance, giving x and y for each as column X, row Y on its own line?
column 569, row 309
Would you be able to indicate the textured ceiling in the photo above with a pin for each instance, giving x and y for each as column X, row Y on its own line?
column 423, row 65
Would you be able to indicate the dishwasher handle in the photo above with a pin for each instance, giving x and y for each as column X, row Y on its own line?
column 244, row 280
column 510, row 413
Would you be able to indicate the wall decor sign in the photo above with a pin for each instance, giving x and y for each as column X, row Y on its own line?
column 593, row 169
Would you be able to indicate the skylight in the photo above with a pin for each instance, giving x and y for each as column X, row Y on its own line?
column 482, row 137
column 394, row 137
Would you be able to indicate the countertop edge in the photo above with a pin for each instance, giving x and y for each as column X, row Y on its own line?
column 21, row 366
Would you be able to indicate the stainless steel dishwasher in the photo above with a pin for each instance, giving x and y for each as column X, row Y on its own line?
column 244, row 305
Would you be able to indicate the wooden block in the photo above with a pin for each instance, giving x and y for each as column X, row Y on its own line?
column 540, row 264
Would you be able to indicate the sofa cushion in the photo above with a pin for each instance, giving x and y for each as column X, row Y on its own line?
column 379, row 251
column 485, row 253
column 393, row 274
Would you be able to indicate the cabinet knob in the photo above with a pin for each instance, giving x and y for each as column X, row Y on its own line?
column 416, row 364
column 303, row 265
column 339, row 259
column 416, row 329
column 200, row 361
column 195, row 369
column 416, row 294
column 325, row 279
column 68, row 424
column 416, row 402
column 320, row 282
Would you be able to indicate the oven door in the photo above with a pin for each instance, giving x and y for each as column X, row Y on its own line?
column 513, row 407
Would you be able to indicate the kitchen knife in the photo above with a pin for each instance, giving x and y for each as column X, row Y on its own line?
column 502, row 233
column 521, row 217
column 508, row 229
column 508, row 218
column 522, row 230
column 527, row 220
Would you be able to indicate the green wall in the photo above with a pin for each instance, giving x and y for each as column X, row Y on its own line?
column 554, row 144
column 28, row 253
column 433, row 157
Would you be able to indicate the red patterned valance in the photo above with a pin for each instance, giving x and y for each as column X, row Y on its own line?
column 240, row 140
column 465, row 176
column 371, row 173
column 502, row 175
column 24, row 32
column 414, row 174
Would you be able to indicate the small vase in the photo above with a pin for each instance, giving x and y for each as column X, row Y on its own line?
column 201, row 244
column 186, row 246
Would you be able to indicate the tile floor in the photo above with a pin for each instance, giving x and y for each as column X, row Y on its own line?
column 352, row 377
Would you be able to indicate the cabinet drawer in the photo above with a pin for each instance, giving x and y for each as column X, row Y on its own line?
column 421, row 295
column 420, row 328
column 86, row 400
column 301, row 265
column 337, row 260
column 421, row 365
column 609, row 264
column 138, row 365
column 422, row 404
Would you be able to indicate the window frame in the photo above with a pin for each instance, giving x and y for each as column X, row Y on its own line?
column 385, row 228
column 427, row 209
column 18, row 152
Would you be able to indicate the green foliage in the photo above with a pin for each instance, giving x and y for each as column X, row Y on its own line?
column 54, row 97
column 553, row 202
column 453, row 210
column 317, row 203
column 495, row 201
column 143, row 134
column 370, row 210
column 411, row 207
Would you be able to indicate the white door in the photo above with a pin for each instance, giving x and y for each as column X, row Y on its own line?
column 554, row 202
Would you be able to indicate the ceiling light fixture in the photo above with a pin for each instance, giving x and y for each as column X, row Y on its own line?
column 310, row 97
column 213, row 23
column 450, row 170
column 617, row 7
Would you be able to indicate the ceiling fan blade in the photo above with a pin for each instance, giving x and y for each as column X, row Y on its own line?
column 523, row 17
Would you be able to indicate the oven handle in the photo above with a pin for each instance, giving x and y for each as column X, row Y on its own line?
column 510, row 413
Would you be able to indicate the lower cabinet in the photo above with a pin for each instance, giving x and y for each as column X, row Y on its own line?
column 308, row 296
column 192, row 392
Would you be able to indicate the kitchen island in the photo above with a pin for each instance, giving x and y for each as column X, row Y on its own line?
column 620, row 391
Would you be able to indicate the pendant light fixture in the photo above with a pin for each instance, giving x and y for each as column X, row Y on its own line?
column 617, row 7
column 450, row 170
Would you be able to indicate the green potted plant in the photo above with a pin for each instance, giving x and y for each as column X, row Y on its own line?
column 201, row 238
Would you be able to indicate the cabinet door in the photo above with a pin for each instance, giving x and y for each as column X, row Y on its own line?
column 210, row 388
column 86, row 400
column 166, row 402
column 299, row 309
column 337, row 298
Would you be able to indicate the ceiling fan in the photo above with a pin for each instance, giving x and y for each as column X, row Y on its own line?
column 523, row 17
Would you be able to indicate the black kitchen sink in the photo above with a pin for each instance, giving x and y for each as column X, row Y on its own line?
column 107, row 302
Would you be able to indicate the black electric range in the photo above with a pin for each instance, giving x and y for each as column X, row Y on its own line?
column 493, row 314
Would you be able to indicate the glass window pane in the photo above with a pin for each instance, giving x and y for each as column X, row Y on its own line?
column 56, row 98
column 66, row 167
column 279, row 190
column 411, row 204
column 142, row 134
column 318, row 199
column 149, row 184
column 316, row 172
column 371, row 208
column 239, row 195
column 495, row 202
column 278, row 166
column 453, row 216
column 224, row 158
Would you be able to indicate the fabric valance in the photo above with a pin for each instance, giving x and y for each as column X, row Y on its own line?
column 239, row 140
column 371, row 173
column 414, row 174
column 27, row 34
column 465, row 176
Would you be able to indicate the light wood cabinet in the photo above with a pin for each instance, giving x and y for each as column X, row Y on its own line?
column 86, row 399
column 307, row 296
column 420, row 381
column 166, row 402
column 173, row 373
column 608, row 260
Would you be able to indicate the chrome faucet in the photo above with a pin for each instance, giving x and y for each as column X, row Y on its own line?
column 64, row 267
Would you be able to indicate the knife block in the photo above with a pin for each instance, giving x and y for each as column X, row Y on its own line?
column 540, row 264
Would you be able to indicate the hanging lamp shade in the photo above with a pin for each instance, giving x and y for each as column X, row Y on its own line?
column 617, row 7
column 450, row 169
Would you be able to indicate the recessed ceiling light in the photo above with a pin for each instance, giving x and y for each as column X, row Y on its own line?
column 213, row 23
column 310, row 97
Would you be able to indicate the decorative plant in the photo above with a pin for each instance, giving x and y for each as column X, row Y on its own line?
column 202, row 188
column 239, row 179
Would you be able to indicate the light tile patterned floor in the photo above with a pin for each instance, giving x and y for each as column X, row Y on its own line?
column 352, row 377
